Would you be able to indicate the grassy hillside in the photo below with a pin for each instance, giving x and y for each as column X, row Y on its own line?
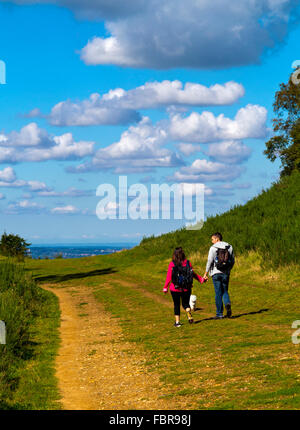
column 247, row 362
column 269, row 224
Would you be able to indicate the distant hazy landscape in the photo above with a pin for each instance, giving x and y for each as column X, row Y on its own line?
column 74, row 251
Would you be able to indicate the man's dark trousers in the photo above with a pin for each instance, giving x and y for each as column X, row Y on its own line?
column 221, row 282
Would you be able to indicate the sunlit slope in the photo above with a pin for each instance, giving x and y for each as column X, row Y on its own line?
column 269, row 224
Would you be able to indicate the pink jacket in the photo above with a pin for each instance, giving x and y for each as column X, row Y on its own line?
column 169, row 278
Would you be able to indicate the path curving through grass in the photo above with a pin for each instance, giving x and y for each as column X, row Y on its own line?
column 96, row 368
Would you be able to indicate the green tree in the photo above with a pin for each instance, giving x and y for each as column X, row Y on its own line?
column 12, row 245
column 285, row 145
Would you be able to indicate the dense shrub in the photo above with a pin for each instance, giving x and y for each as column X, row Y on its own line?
column 12, row 245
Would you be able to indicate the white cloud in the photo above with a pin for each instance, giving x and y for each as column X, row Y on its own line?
column 106, row 51
column 93, row 111
column 110, row 209
column 7, row 175
column 139, row 149
column 120, row 107
column 29, row 136
column 33, row 113
column 71, row 192
column 231, row 151
column 249, row 122
column 142, row 147
column 202, row 170
column 165, row 93
column 31, row 207
column 37, row 186
column 71, row 210
column 18, row 183
column 188, row 148
column 172, row 33
column 202, row 34
column 8, row 179
column 190, row 189
column 38, row 145
column 68, row 209
column 24, row 206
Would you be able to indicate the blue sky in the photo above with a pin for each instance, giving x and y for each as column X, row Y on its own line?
column 57, row 143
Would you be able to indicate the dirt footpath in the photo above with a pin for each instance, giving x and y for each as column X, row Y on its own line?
column 95, row 367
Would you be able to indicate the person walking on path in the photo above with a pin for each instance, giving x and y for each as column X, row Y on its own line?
column 180, row 279
column 219, row 264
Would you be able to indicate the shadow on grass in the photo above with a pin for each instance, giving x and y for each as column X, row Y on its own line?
column 69, row 276
column 234, row 316
column 28, row 349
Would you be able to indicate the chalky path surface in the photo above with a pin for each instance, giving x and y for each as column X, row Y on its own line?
column 96, row 368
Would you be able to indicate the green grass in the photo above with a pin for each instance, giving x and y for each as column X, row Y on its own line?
column 31, row 315
column 247, row 362
column 37, row 388
column 215, row 354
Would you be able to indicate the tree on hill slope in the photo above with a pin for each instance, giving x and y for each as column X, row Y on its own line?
column 285, row 145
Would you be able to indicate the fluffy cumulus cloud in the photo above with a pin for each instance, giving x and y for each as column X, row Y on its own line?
column 232, row 151
column 193, row 33
column 143, row 147
column 8, row 179
column 202, row 170
column 175, row 33
column 7, row 175
column 139, row 149
column 34, row 144
column 188, row 148
column 94, row 111
column 120, row 107
column 249, row 122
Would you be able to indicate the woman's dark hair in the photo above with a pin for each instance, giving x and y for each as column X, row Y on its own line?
column 178, row 256
column 218, row 235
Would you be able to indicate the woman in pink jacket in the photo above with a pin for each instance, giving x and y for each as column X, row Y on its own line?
column 180, row 278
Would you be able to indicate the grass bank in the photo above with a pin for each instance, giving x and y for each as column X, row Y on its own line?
column 27, row 379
